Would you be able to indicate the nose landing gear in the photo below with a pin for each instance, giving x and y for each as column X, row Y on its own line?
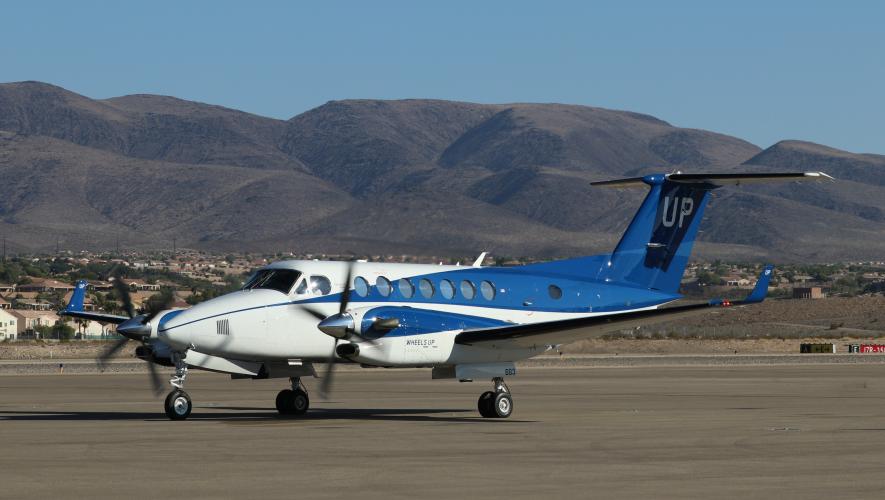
column 178, row 404
column 293, row 401
column 497, row 403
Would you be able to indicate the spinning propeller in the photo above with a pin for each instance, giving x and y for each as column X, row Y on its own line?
column 340, row 326
column 137, row 327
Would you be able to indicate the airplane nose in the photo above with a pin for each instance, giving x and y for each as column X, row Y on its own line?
column 171, row 327
column 135, row 328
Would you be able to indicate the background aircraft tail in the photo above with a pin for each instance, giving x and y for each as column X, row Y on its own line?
column 77, row 298
column 655, row 248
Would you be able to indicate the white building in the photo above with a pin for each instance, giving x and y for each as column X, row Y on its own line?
column 8, row 325
column 27, row 320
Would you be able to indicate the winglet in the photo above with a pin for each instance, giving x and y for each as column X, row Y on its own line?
column 478, row 261
column 761, row 289
column 76, row 303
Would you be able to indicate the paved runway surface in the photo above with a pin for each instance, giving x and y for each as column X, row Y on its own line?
column 691, row 432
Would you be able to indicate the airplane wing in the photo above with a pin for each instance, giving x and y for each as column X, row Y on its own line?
column 570, row 330
column 74, row 308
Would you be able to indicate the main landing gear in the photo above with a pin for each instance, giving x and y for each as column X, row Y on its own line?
column 178, row 403
column 293, row 401
column 497, row 403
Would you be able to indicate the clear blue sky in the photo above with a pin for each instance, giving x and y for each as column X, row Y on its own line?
column 763, row 71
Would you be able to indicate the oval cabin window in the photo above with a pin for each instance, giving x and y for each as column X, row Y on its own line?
column 468, row 290
column 361, row 286
column 406, row 288
column 383, row 286
column 487, row 288
column 426, row 288
column 447, row 289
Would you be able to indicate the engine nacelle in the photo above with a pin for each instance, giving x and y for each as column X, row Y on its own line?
column 394, row 321
column 156, row 352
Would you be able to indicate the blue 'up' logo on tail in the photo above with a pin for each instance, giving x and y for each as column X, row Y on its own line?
column 678, row 207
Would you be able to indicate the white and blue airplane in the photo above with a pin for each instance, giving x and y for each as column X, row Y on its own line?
column 463, row 322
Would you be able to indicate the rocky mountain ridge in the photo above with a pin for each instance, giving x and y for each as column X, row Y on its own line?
column 412, row 176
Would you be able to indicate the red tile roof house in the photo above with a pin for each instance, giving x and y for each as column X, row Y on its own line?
column 45, row 285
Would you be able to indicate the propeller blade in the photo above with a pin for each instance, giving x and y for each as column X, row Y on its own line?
column 156, row 383
column 345, row 295
column 123, row 291
column 110, row 351
column 326, row 383
column 313, row 312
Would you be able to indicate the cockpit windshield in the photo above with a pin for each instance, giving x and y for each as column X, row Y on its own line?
column 280, row 280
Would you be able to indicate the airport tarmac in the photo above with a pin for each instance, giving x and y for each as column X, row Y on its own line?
column 809, row 431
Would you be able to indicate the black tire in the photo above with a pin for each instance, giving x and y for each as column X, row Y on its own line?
column 503, row 405
column 178, row 405
column 285, row 401
column 484, row 405
column 300, row 402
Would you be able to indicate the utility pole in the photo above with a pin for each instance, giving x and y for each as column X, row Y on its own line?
column 174, row 247
column 4, row 248
column 56, row 245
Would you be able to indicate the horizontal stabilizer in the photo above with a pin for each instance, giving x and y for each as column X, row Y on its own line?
column 94, row 316
column 718, row 179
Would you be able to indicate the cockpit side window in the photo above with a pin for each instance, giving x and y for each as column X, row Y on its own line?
column 280, row 280
column 320, row 285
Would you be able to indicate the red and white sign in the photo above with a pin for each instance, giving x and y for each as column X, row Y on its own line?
column 872, row 348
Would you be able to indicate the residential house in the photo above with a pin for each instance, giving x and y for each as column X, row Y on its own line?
column 808, row 292
column 139, row 285
column 27, row 321
column 737, row 281
column 103, row 286
column 45, row 285
column 29, row 300
column 86, row 329
column 8, row 325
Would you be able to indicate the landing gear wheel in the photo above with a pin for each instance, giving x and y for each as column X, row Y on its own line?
column 300, row 402
column 291, row 402
column 503, row 405
column 484, row 405
column 178, row 405
column 285, row 401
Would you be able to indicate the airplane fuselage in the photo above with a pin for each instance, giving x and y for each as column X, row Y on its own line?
column 265, row 323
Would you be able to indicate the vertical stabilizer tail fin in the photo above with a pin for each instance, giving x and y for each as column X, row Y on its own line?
column 77, row 298
column 760, row 290
column 655, row 248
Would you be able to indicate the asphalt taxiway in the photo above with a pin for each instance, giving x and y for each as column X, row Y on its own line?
column 799, row 431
